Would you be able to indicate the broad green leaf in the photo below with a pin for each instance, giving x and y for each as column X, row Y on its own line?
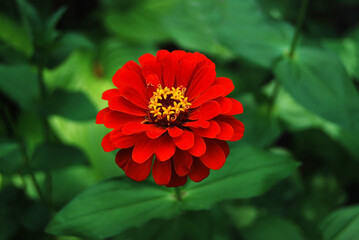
column 65, row 45
column 247, row 173
column 111, row 207
column 72, row 105
column 317, row 80
column 114, row 54
column 272, row 228
column 20, row 84
column 261, row 128
column 10, row 157
column 248, row 32
column 30, row 18
column 56, row 156
column 68, row 182
column 224, row 27
column 348, row 50
column 15, row 36
column 137, row 24
column 342, row 224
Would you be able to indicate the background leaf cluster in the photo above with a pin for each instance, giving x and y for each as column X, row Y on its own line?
column 293, row 175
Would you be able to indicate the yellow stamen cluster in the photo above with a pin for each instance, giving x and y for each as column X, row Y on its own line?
column 168, row 103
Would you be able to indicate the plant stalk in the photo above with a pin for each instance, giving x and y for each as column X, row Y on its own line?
column 178, row 194
column 300, row 21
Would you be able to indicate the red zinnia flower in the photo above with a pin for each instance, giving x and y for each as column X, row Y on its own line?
column 171, row 111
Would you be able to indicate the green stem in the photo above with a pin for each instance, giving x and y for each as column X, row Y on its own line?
column 24, row 155
column 300, row 21
column 178, row 194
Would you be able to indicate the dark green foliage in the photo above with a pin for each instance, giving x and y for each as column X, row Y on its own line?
column 292, row 176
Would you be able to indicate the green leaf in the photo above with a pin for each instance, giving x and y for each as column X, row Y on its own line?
column 56, row 156
column 261, row 128
column 342, row 224
column 326, row 91
column 29, row 17
column 15, row 36
column 10, row 157
column 114, row 54
column 228, row 26
column 247, row 173
column 272, row 228
column 19, row 83
column 67, row 44
column 139, row 24
column 72, row 105
column 111, row 207
column 348, row 51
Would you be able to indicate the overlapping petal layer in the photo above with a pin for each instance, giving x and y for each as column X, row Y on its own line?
column 188, row 141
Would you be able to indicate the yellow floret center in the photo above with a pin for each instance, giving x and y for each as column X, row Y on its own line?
column 167, row 104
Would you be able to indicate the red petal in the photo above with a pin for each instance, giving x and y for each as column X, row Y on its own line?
column 211, row 93
column 106, row 143
column 138, row 171
column 108, row 94
column 211, row 132
column 198, row 171
column 202, row 80
column 237, row 107
column 155, row 132
column 226, row 83
column 136, row 127
column 199, row 123
column 226, row 132
column 161, row 172
column 119, row 103
column 185, row 69
column 151, row 69
column 175, row 131
column 130, row 79
column 121, row 140
column 123, row 156
column 226, row 104
column 117, row 120
column 143, row 150
column 165, row 148
column 176, row 180
column 185, row 141
column 207, row 111
column 133, row 96
column 237, row 126
column 199, row 147
column 224, row 146
column 214, row 158
column 101, row 114
column 168, row 66
column 182, row 162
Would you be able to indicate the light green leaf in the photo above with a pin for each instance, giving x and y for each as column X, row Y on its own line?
column 72, row 105
column 342, row 224
column 247, row 173
column 15, row 36
column 317, row 80
column 111, row 207
column 272, row 228
column 19, row 83
column 56, row 156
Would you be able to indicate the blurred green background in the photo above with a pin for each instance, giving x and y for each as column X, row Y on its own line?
column 294, row 175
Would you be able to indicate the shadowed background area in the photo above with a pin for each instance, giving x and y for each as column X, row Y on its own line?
column 295, row 66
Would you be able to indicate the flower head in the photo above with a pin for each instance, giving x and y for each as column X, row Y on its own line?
column 171, row 114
